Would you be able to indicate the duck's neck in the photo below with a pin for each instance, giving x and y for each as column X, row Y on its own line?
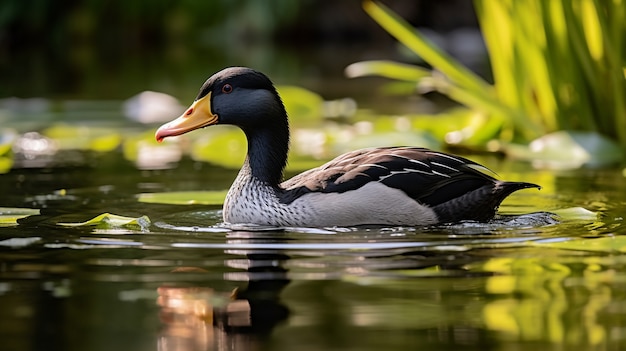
column 267, row 153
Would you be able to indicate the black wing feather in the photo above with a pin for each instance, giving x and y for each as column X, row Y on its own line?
column 427, row 176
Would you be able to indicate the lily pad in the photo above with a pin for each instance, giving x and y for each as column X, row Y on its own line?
column 84, row 137
column 184, row 197
column 226, row 147
column 568, row 150
column 108, row 220
column 9, row 216
column 301, row 104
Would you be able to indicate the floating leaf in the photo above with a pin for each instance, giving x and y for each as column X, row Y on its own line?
column 80, row 137
column 108, row 220
column 576, row 214
column 568, row 149
column 226, row 146
column 9, row 216
column 105, row 143
column 185, row 197
column 301, row 104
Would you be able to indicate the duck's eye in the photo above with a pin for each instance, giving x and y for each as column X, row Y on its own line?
column 227, row 88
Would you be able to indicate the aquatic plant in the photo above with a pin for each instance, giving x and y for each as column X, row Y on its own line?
column 557, row 66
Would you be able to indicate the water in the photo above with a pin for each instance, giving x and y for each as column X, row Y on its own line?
column 183, row 282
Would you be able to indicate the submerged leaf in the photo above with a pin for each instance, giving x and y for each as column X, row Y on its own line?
column 9, row 216
column 108, row 220
column 184, row 197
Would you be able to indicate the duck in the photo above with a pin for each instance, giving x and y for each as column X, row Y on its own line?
column 378, row 186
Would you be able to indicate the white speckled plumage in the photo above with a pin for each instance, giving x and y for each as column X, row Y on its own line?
column 254, row 202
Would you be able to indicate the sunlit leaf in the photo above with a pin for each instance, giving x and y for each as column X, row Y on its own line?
column 108, row 220
column 575, row 214
column 105, row 143
column 301, row 104
column 10, row 215
column 408, row 36
column 568, row 149
column 81, row 137
column 225, row 146
column 387, row 69
column 7, row 137
column 184, row 197
column 537, row 87
column 5, row 164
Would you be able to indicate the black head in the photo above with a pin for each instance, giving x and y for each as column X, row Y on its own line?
column 239, row 96
column 245, row 98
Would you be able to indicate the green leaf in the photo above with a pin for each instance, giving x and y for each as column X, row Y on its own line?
column 7, row 137
column 387, row 69
column 184, row 197
column 10, row 215
column 6, row 162
column 568, row 149
column 301, row 104
column 225, row 146
column 80, row 137
column 408, row 36
column 108, row 220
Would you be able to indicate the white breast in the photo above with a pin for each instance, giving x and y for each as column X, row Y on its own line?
column 250, row 201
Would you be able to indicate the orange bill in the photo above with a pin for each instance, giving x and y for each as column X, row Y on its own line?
column 198, row 115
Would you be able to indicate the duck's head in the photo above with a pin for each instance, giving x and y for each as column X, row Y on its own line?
column 237, row 95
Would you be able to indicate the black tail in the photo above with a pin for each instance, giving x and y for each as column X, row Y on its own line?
column 480, row 204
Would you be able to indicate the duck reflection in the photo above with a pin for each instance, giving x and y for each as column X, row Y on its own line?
column 205, row 318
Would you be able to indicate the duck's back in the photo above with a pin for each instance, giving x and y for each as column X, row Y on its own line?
column 452, row 188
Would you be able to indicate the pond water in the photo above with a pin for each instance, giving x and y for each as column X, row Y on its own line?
column 181, row 282
column 177, row 280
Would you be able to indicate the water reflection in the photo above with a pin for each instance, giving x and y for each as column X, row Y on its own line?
column 187, row 283
column 202, row 318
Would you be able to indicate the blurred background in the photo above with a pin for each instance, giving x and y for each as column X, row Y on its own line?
column 115, row 49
